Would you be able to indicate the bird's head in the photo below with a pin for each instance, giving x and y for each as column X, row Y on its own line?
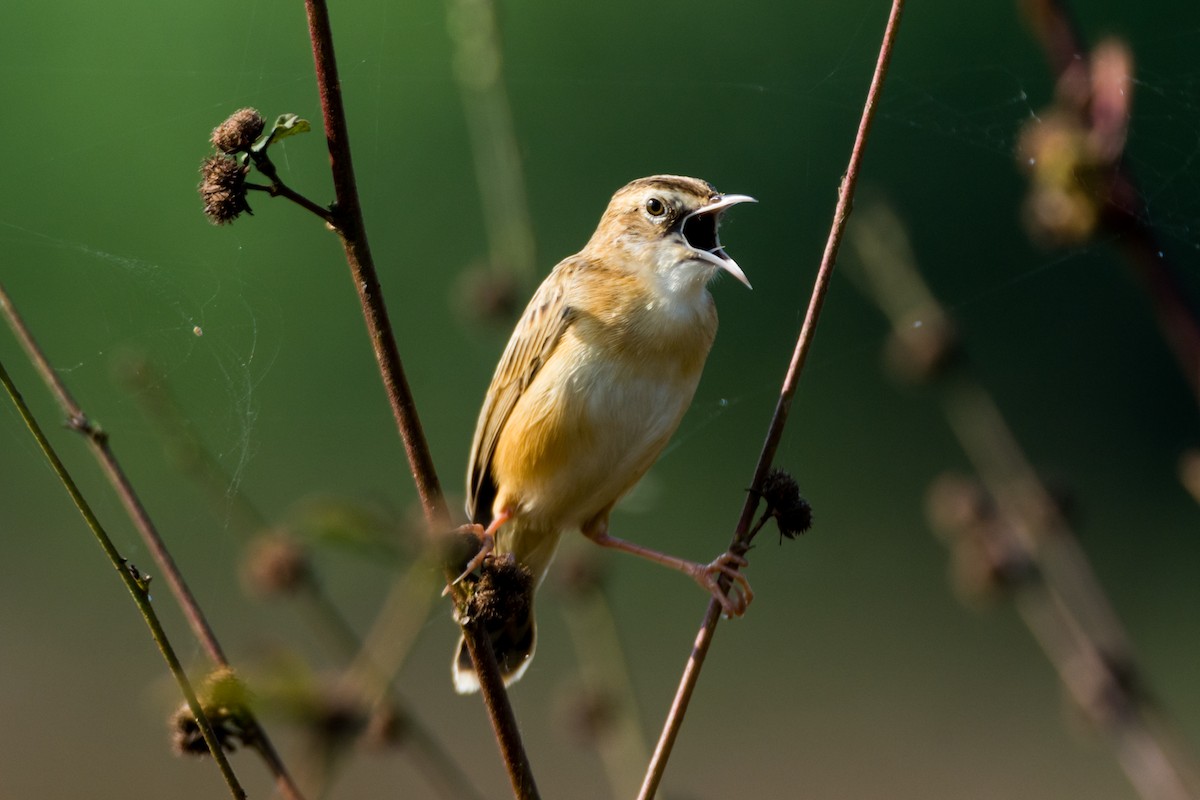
column 668, row 224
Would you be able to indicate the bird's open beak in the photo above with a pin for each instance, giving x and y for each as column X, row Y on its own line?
column 699, row 230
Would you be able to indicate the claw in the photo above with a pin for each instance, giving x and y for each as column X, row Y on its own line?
column 487, row 543
column 737, row 598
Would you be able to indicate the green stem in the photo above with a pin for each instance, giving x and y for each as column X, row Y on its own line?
column 133, row 581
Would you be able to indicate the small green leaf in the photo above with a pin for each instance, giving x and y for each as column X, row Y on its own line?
column 286, row 125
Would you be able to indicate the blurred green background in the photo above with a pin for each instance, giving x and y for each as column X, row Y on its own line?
column 856, row 673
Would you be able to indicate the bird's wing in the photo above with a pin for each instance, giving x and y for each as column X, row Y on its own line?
column 539, row 331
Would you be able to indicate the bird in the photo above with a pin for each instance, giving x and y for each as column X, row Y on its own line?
column 597, row 375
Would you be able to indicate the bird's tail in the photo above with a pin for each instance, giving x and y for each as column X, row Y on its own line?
column 513, row 641
column 511, row 626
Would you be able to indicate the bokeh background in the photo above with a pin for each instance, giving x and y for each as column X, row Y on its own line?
column 857, row 673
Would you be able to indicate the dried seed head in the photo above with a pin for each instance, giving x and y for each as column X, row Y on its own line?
column 239, row 132
column 504, row 591
column 1072, row 151
column 223, row 189
column 336, row 716
column 591, row 715
column 924, row 349
column 187, row 740
column 457, row 548
column 987, row 561
column 223, row 698
column 388, row 727
column 792, row 513
column 954, row 503
column 1066, row 180
column 276, row 564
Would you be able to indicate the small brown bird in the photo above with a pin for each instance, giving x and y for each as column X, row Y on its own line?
column 596, row 377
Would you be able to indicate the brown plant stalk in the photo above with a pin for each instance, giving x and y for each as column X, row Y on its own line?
column 691, row 672
column 97, row 440
column 348, row 224
column 1010, row 535
column 135, row 582
column 364, row 677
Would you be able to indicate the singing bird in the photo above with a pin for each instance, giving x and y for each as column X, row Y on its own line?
column 594, row 381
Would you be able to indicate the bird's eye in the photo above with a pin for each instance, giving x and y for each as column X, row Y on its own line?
column 655, row 207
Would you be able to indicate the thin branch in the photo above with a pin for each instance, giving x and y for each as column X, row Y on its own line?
column 372, row 684
column 365, row 678
column 691, row 673
column 348, row 223
column 134, row 582
column 280, row 189
column 1009, row 535
column 98, row 441
column 1061, row 601
column 184, row 447
column 504, row 721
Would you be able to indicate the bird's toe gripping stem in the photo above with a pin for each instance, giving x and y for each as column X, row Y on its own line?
column 736, row 599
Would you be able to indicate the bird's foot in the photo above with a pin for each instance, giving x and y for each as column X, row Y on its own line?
column 487, row 543
column 736, row 599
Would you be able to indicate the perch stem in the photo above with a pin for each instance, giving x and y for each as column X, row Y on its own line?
column 348, row 224
column 703, row 641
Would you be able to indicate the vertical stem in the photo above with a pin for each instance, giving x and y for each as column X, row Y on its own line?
column 691, row 673
column 133, row 582
column 504, row 721
column 98, row 441
column 348, row 223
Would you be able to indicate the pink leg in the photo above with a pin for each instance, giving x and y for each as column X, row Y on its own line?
column 707, row 575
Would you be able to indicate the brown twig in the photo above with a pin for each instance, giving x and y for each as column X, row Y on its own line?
column 371, row 683
column 280, row 189
column 135, row 582
column 348, row 224
column 98, row 442
column 364, row 677
column 97, row 439
column 691, row 673
column 184, row 446
column 1009, row 534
